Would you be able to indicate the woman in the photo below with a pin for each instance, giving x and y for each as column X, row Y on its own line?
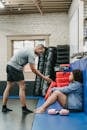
column 69, row 97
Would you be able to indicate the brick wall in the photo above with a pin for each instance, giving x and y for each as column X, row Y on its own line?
column 55, row 24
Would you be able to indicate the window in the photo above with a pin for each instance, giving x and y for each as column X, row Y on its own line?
column 17, row 45
column 85, row 46
column 16, row 42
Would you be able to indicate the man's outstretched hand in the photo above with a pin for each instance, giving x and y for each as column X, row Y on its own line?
column 49, row 80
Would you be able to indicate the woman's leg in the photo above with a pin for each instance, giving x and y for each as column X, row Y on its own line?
column 55, row 96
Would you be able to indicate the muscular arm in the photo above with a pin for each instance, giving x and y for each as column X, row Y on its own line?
column 37, row 72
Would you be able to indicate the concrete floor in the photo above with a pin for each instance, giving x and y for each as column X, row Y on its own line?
column 15, row 120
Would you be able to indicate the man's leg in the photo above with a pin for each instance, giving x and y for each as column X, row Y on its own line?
column 55, row 96
column 5, row 97
column 23, row 97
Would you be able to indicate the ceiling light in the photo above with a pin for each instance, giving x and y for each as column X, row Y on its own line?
column 1, row 5
column 3, row 1
column 19, row 9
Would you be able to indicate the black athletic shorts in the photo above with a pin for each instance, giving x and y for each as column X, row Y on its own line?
column 13, row 74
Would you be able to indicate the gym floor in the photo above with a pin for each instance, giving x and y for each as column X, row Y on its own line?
column 75, row 121
column 15, row 120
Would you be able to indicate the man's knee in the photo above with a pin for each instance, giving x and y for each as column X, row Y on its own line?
column 22, row 83
column 22, row 88
column 9, row 84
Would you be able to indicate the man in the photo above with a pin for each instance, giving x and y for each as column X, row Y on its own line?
column 15, row 73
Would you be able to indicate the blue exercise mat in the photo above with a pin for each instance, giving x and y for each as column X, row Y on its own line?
column 74, row 121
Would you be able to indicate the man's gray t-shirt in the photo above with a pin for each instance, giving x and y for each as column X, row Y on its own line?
column 21, row 58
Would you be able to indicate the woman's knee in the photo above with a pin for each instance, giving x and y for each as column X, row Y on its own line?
column 57, row 93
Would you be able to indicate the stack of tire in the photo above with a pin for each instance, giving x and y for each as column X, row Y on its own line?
column 63, row 54
column 37, row 90
column 50, row 60
column 62, row 79
column 53, row 57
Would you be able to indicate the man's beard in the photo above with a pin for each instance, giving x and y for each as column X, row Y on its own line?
column 37, row 53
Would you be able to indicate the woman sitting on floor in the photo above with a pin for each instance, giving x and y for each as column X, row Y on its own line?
column 69, row 97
